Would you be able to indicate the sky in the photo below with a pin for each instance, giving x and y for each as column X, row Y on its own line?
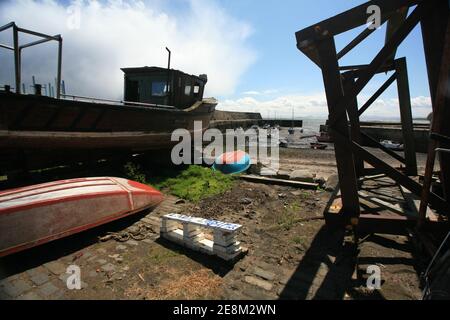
column 247, row 48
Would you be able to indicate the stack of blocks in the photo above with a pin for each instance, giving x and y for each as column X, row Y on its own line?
column 224, row 245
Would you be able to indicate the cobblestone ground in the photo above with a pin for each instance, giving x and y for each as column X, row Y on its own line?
column 307, row 261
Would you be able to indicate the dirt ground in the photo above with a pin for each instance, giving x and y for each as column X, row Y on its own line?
column 290, row 252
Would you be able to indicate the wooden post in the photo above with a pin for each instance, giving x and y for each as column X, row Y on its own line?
column 406, row 116
column 344, row 155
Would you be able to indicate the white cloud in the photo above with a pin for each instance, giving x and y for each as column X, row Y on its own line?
column 257, row 93
column 315, row 105
column 115, row 34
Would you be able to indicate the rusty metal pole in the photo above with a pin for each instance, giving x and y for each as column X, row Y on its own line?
column 16, row 57
column 58, row 84
column 406, row 116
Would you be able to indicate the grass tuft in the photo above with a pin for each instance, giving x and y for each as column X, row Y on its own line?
column 196, row 183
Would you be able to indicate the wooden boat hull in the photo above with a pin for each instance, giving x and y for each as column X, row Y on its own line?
column 37, row 214
column 40, row 127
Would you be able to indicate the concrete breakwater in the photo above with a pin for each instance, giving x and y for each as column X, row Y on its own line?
column 230, row 120
column 393, row 131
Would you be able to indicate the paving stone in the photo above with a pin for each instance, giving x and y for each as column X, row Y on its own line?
column 63, row 277
column 121, row 247
column 30, row 296
column 35, row 271
column 92, row 258
column 56, row 267
column 255, row 293
column 92, row 274
column 16, row 288
column 40, row 278
column 87, row 255
column 47, row 289
column 258, row 282
column 149, row 241
column 4, row 295
column 132, row 242
column 264, row 274
column 108, row 267
column 58, row 295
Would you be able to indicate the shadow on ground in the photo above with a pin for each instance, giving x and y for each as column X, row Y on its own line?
column 213, row 263
column 33, row 257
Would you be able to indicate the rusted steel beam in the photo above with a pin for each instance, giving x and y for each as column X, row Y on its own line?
column 4, row 46
column 343, row 22
column 394, row 174
column 34, row 43
column 395, row 20
column 37, row 34
column 378, row 93
column 59, row 68
column 344, row 157
column 381, row 57
column 438, row 75
column 356, row 73
column 381, row 147
column 355, row 129
column 7, row 26
column 359, row 38
column 406, row 116
column 16, row 57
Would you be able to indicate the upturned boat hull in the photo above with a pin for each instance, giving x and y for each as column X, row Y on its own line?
column 37, row 214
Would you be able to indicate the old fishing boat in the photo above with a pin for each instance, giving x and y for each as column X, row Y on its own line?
column 48, row 130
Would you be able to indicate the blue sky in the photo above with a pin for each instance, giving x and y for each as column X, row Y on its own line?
column 247, row 48
column 281, row 66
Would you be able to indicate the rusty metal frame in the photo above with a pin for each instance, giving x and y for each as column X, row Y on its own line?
column 317, row 43
column 17, row 48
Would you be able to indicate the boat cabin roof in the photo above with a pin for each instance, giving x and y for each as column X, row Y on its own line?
column 163, row 86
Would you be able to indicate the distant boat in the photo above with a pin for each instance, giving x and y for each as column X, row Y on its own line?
column 391, row 145
column 315, row 145
column 33, row 215
column 324, row 137
column 232, row 162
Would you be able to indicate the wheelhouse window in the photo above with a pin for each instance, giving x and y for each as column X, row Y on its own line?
column 159, row 88
column 196, row 89
column 187, row 90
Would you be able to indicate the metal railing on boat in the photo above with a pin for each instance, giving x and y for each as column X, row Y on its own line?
column 118, row 102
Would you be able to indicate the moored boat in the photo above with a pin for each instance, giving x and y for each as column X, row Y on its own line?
column 33, row 215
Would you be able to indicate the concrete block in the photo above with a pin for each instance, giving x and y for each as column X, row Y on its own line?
column 227, row 250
